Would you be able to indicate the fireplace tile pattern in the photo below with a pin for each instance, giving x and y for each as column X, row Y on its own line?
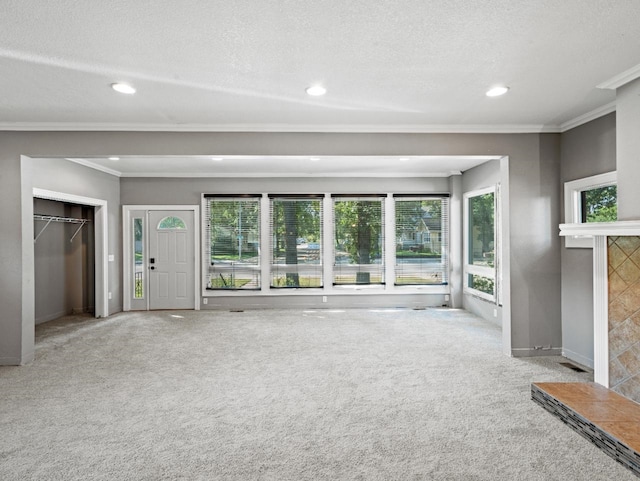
column 598, row 414
column 623, row 254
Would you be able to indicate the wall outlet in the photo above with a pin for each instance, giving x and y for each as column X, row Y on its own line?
column 324, row 298
column 446, row 297
column 205, row 301
column 495, row 313
column 112, row 258
column 109, row 295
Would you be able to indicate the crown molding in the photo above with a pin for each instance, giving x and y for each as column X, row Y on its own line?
column 621, row 79
column 281, row 128
column 299, row 175
column 92, row 165
column 588, row 117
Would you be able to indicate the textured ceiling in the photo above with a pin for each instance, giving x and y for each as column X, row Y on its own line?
column 394, row 65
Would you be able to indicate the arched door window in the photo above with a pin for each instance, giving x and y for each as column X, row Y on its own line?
column 171, row 222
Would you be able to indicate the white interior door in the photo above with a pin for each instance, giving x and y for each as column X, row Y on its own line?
column 170, row 259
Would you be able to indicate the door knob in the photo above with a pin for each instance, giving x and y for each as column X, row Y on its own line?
column 153, row 268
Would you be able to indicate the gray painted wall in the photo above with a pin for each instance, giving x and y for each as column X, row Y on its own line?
column 188, row 191
column 587, row 150
column 49, row 261
column 628, row 150
column 533, row 200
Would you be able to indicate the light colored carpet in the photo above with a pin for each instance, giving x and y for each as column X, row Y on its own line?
column 285, row 395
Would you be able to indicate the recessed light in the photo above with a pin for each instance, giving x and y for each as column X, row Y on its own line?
column 114, row 158
column 314, row 159
column 404, row 159
column 497, row 91
column 316, row 90
column 123, row 88
column 216, row 159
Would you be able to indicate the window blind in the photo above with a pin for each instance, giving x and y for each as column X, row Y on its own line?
column 296, row 228
column 232, row 234
column 358, row 240
column 422, row 240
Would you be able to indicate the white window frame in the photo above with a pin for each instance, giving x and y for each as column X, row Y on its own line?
column 488, row 272
column 573, row 204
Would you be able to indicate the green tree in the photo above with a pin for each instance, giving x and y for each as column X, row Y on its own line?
column 482, row 227
column 358, row 231
column 293, row 220
column 409, row 214
column 233, row 223
column 600, row 204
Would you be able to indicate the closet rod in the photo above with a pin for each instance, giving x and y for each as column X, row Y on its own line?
column 54, row 218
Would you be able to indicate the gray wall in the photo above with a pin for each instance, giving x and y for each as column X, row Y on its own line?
column 189, row 190
column 534, row 201
column 628, row 150
column 49, row 259
column 587, row 150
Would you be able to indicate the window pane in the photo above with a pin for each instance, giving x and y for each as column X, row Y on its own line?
column 600, row 204
column 138, row 257
column 482, row 230
column 296, row 254
column 234, row 240
column 482, row 284
column 421, row 241
column 172, row 223
column 359, row 242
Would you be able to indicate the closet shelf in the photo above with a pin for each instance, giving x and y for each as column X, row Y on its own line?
column 54, row 218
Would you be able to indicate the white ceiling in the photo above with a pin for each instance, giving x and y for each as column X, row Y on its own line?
column 388, row 65
column 284, row 166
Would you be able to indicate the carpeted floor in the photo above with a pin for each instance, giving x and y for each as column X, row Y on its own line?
column 285, row 395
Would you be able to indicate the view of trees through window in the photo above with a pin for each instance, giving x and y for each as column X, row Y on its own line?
column 421, row 241
column 296, row 229
column 600, row 204
column 359, row 241
column 481, row 242
column 295, row 240
column 234, row 236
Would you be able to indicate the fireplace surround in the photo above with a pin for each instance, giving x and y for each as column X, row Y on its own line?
column 616, row 299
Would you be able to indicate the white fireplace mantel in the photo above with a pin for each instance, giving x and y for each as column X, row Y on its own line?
column 622, row 227
column 600, row 231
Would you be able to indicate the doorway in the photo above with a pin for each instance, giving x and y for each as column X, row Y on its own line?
column 160, row 264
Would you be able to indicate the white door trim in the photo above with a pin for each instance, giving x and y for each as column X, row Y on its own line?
column 101, row 238
column 127, row 254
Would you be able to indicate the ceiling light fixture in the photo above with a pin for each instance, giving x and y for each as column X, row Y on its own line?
column 404, row 159
column 316, row 90
column 497, row 91
column 114, row 158
column 314, row 159
column 216, row 159
column 123, row 88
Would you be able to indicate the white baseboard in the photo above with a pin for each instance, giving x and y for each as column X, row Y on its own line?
column 532, row 352
column 51, row 317
column 579, row 358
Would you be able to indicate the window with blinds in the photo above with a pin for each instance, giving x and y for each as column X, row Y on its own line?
column 232, row 233
column 422, row 238
column 359, row 239
column 296, row 241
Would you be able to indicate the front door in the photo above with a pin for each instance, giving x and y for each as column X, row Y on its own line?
column 170, row 259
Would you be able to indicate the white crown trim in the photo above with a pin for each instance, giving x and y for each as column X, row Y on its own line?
column 330, row 128
column 243, row 175
column 621, row 79
column 92, row 165
column 588, row 117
